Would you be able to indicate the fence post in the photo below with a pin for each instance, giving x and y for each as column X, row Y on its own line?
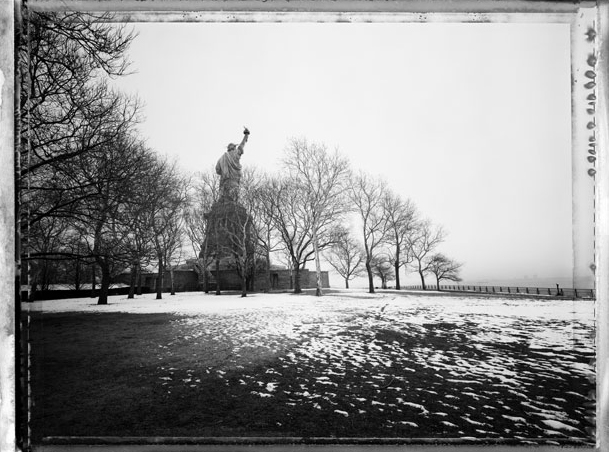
column 509, row 290
column 527, row 289
column 493, row 289
column 538, row 291
column 549, row 293
column 517, row 290
column 575, row 293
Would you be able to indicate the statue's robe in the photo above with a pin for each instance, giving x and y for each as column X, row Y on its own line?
column 229, row 169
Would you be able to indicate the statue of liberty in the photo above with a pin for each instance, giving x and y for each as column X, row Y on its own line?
column 229, row 169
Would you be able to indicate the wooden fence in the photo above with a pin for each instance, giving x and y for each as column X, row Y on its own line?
column 542, row 291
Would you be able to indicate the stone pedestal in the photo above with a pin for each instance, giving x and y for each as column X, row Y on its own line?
column 230, row 241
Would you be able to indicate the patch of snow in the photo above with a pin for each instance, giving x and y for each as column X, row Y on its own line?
column 471, row 421
column 560, row 425
column 261, row 394
column 413, row 405
column 515, row 418
column 411, row 424
column 553, row 433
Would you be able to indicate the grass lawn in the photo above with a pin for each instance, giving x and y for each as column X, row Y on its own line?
column 389, row 365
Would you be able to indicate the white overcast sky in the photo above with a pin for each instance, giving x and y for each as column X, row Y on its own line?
column 470, row 121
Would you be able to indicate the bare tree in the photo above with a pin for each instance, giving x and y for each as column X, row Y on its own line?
column 421, row 242
column 293, row 220
column 202, row 197
column 367, row 196
column 45, row 246
column 66, row 107
column 284, row 257
column 346, row 256
column 325, row 178
column 165, row 212
column 238, row 227
column 66, row 110
column 172, row 239
column 107, row 179
column 383, row 268
column 140, row 242
column 260, row 198
column 73, row 268
column 444, row 268
column 401, row 219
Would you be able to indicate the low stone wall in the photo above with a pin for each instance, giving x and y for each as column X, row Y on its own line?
column 188, row 280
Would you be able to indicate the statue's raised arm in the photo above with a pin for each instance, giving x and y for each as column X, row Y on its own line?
column 246, row 134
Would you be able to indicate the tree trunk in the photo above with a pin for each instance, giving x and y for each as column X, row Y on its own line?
column 93, row 280
column 383, row 281
column 45, row 276
column 297, row 288
column 318, row 291
column 370, row 277
column 173, row 289
column 269, row 283
column 438, row 283
column 139, row 280
column 203, row 266
column 346, row 283
column 132, row 281
column 205, row 280
column 396, row 266
column 159, row 280
column 105, row 283
column 77, row 275
column 252, row 276
column 243, row 285
column 217, row 276
column 422, row 280
column 33, row 290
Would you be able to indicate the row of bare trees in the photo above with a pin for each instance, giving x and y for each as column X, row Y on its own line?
column 392, row 235
column 315, row 208
column 93, row 198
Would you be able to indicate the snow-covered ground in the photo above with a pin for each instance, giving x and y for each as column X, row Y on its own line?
column 570, row 320
column 493, row 367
